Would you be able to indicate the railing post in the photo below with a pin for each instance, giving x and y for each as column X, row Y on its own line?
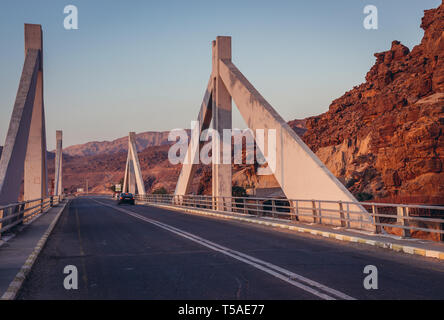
column 20, row 208
column 51, row 201
column 319, row 212
column 376, row 219
column 1, row 223
column 341, row 214
column 22, row 211
column 313, row 203
column 403, row 214
column 228, row 204
column 441, row 235
column 273, row 208
column 348, row 215
column 296, row 211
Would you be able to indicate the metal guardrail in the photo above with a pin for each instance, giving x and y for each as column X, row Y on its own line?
column 22, row 212
column 405, row 220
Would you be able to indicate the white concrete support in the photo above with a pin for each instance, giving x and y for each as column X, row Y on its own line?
column 35, row 177
column 27, row 124
column 58, row 190
column 216, row 106
column 131, row 178
column 133, row 173
column 189, row 168
column 222, row 119
column 125, row 177
column 299, row 172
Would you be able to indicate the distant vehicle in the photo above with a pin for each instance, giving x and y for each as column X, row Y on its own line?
column 125, row 198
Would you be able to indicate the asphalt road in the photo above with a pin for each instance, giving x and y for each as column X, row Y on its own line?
column 140, row 252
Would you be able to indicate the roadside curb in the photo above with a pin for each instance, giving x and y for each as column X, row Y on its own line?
column 326, row 234
column 17, row 282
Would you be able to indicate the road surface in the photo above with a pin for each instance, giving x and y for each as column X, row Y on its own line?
column 141, row 252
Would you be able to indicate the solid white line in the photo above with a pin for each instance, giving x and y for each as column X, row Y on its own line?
column 276, row 271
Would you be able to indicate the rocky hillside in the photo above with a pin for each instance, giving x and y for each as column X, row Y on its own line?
column 385, row 137
column 143, row 140
column 104, row 170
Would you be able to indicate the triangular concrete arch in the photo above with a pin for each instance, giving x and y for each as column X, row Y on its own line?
column 24, row 152
column 299, row 172
column 133, row 173
column 58, row 189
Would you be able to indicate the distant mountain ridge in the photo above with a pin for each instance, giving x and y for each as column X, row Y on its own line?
column 143, row 140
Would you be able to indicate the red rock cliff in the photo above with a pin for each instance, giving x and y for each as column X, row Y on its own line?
column 385, row 136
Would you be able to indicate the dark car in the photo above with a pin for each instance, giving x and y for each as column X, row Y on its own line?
column 126, row 198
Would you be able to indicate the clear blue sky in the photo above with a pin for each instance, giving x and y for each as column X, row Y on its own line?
column 143, row 65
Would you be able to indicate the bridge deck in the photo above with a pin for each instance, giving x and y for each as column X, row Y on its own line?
column 140, row 252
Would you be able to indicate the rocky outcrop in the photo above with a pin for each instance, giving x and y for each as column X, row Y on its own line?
column 385, row 136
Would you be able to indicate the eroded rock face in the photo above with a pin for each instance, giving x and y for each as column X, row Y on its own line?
column 385, row 136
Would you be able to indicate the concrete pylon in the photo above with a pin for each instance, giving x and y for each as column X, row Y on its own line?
column 189, row 167
column 58, row 190
column 222, row 119
column 36, row 178
column 24, row 153
column 133, row 173
column 299, row 172
column 216, row 106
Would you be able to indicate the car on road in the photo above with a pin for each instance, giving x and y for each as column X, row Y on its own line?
column 126, row 198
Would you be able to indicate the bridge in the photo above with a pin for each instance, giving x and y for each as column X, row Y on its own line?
column 317, row 242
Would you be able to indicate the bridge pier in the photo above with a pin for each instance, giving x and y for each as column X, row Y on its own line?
column 299, row 172
column 133, row 174
column 35, row 175
column 222, row 119
column 58, row 189
column 24, row 153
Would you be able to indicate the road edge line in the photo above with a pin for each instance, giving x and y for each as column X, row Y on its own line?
column 302, row 229
column 17, row 282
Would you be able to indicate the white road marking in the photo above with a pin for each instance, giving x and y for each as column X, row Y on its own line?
column 276, row 271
